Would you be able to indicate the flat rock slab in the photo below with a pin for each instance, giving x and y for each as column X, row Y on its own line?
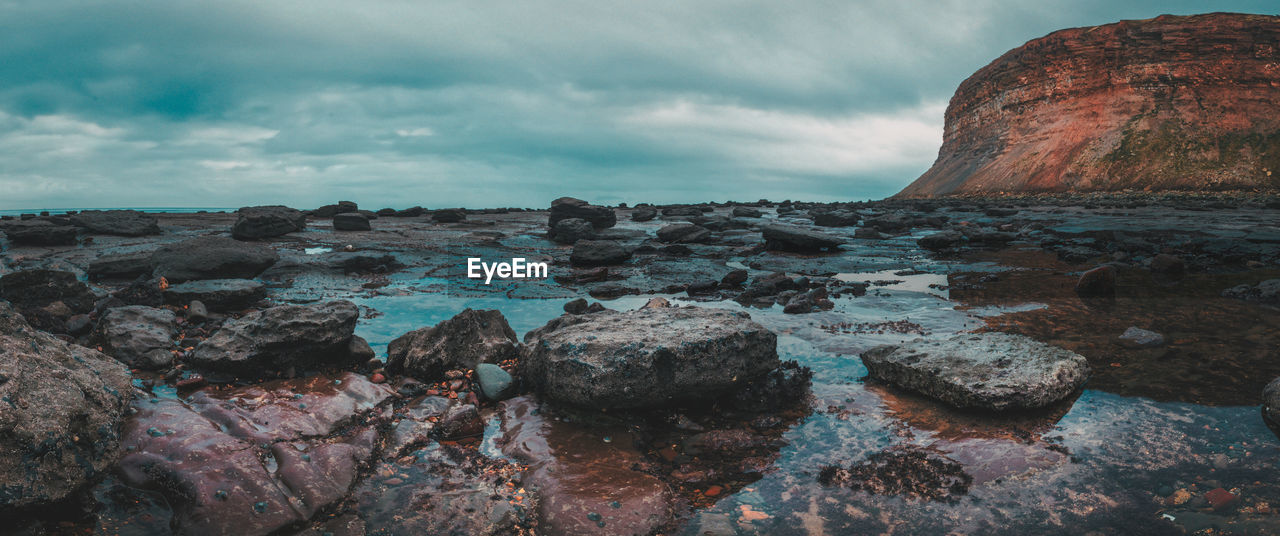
column 264, row 342
column 64, row 406
column 117, row 222
column 994, row 371
column 254, row 460
column 798, row 239
column 217, row 294
column 212, row 257
column 647, row 357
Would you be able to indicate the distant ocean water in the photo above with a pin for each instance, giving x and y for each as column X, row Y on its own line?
column 174, row 210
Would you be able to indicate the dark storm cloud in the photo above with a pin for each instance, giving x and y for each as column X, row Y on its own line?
column 491, row 103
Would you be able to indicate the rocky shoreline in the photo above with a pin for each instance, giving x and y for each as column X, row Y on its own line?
column 723, row 368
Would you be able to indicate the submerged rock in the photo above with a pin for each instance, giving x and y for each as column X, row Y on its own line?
column 117, row 222
column 138, row 336
column 1099, row 282
column 276, row 339
column 798, row 239
column 646, row 357
column 269, row 221
column 217, row 294
column 1136, row 337
column 64, row 407
column 584, row 486
column 212, row 257
column 253, row 460
column 1267, row 292
column 994, row 371
column 462, row 342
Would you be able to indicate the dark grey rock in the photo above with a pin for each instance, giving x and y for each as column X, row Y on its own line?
column 941, row 240
column 138, row 336
column 351, row 221
column 60, row 428
column 647, row 357
column 47, row 298
column 798, row 239
column 448, row 215
column 342, row 207
column 121, row 266
column 835, row 218
column 269, row 221
column 217, row 294
column 683, row 233
column 598, row 253
column 1267, row 292
column 745, row 212
column 1136, row 337
column 462, row 342
column 495, row 383
column 570, row 230
column 993, row 371
column 40, row 233
column 212, row 257
column 272, row 340
column 643, row 214
column 1271, row 402
column 117, row 222
column 568, row 207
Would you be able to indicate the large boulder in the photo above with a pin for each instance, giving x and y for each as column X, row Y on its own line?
column 941, row 240
column 1271, row 402
column 40, row 233
column 212, row 257
column 684, row 233
column 353, row 221
column 64, row 406
column 646, row 357
column 138, row 336
column 253, row 460
column 568, row 231
column 47, row 298
column 448, row 215
column 269, row 221
column 568, row 207
column 117, row 222
column 462, row 342
column 836, row 218
column 279, row 338
column 598, row 253
column 745, row 212
column 217, row 294
column 342, row 207
column 798, row 239
column 992, row 371
column 644, row 214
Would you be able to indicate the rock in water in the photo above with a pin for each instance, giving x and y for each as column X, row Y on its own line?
column 462, row 342
column 1266, row 292
column 495, row 383
column 1119, row 106
column 644, row 214
column 836, row 218
column 941, row 240
column 138, row 336
column 1136, row 337
column 745, row 212
column 448, row 215
column 598, row 253
column 1100, row 281
column 117, row 222
column 647, row 357
column 267, row 221
column 65, row 405
column 120, row 266
column 798, row 239
column 271, row 340
column 994, row 371
column 217, row 294
column 352, row 221
column 1271, row 402
column 568, row 207
column 212, row 257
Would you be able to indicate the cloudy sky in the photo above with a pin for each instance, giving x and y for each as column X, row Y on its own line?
column 493, row 103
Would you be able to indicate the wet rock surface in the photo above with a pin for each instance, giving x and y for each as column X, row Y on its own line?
column 254, row 223
column 995, row 371
column 138, row 336
column 212, row 257
column 266, row 342
column 646, row 357
column 217, row 294
column 64, row 406
column 116, row 222
column 462, row 342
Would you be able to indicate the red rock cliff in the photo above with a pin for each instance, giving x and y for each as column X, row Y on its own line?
column 1190, row 103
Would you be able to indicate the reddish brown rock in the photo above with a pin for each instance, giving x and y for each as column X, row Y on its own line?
column 1166, row 103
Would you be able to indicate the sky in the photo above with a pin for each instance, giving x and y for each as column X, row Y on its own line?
column 481, row 103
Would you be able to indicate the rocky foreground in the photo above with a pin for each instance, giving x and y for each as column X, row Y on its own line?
column 780, row 368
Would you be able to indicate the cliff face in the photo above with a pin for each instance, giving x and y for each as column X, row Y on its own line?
column 1168, row 103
